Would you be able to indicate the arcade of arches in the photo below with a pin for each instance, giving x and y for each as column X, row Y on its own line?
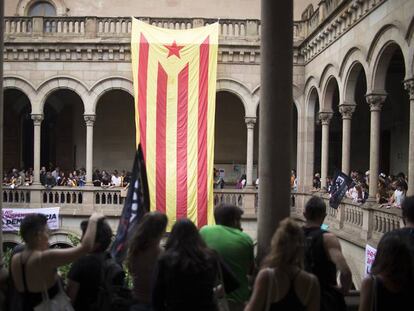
column 335, row 129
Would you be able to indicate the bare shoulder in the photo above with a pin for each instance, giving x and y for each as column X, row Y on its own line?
column 330, row 240
column 308, row 277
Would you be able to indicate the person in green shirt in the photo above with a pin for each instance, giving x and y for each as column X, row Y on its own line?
column 235, row 247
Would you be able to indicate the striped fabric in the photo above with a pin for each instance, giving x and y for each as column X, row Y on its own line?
column 175, row 91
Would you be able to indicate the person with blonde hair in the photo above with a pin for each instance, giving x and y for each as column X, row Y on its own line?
column 282, row 284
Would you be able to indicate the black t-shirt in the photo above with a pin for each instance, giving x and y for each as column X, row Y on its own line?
column 87, row 272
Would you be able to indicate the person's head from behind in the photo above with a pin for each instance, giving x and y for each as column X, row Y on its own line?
column 184, row 235
column 394, row 260
column 149, row 232
column 407, row 207
column 35, row 231
column 185, row 247
column 287, row 245
column 228, row 215
column 315, row 210
column 103, row 236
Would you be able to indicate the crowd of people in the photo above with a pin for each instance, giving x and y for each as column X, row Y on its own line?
column 52, row 177
column 391, row 191
column 199, row 269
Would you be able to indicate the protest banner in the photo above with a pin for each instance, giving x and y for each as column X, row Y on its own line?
column 12, row 217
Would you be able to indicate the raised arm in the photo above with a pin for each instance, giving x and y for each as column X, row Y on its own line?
column 54, row 258
column 334, row 251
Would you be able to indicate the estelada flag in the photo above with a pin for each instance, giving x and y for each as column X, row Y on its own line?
column 174, row 73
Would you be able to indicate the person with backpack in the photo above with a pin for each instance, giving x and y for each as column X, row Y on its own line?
column 323, row 257
column 91, row 277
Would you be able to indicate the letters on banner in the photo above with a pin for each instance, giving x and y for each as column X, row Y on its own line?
column 370, row 253
column 12, row 217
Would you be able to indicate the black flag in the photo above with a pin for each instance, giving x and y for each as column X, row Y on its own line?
column 136, row 204
column 340, row 186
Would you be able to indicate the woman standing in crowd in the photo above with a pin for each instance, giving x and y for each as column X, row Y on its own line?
column 144, row 249
column 391, row 283
column 187, row 272
column 34, row 269
column 283, row 284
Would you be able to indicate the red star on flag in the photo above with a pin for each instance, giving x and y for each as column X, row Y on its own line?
column 174, row 49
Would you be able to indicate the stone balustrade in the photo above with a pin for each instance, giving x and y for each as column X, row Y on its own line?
column 96, row 27
column 330, row 21
column 359, row 223
column 364, row 223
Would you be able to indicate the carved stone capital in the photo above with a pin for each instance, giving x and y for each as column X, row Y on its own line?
column 409, row 87
column 325, row 117
column 89, row 119
column 347, row 111
column 37, row 119
column 375, row 101
column 250, row 122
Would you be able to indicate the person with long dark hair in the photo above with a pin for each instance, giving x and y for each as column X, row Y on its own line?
column 186, row 273
column 391, row 283
column 282, row 284
column 144, row 249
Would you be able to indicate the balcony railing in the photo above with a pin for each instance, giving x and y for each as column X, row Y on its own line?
column 364, row 223
column 106, row 27
column 111, row 200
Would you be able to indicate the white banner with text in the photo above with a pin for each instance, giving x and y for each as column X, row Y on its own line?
column 12, row 217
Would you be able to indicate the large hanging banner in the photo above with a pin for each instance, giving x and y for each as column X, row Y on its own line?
column 12, row 217
column 175, row 91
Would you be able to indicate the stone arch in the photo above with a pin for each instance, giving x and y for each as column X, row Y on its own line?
column 325, row 84
column 105, row 85
column 311, row 87
column 62, row 237
column 24, row 5
column 353, row 69
column 56, row 83
column 355, row 54
column 385, row 42
column 410, row 39
column 12, row 237
column 21, row 84
column 311, row 100
column 240, row 90
column 256, row 97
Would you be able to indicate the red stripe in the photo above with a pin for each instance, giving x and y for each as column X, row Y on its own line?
column 142, row 91
column 160, row 156
column 202, row 134
column 182, row 120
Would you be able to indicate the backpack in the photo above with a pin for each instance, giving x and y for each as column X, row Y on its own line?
column 331, row 298
column 113, row 295
column 310, row 259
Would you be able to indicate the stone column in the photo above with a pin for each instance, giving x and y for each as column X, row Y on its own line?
column 275, row 118
column 409, row 86
column 375, row 102
column 89, row 120
column 37, row 122
column 346, row 112
column 325, row 118
column 250, row 122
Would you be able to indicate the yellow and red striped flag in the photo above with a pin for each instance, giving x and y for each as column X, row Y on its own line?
column 175, row 91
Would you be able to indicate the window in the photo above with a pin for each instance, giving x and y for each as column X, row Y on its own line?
column 42, row 8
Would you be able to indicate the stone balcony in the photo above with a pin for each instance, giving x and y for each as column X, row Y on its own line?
column 356, row 223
